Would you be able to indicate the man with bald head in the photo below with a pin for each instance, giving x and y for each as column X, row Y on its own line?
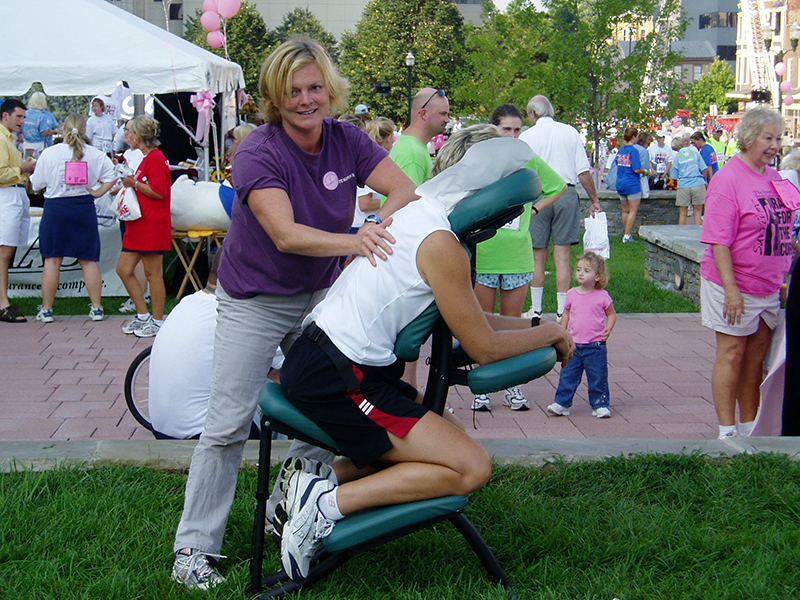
column 430, row 114
column 560, row 146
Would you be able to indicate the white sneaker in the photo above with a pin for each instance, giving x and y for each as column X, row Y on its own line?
column 277, row 522
column 128, row 307
column 135, row 325
column 626, row 239
column 729, row 434
column 601, row 413
column 302, row 536
column 557, row 410
column 481, row 402
column 96, row 314
column 149, row 329
column 559, row 318
column 195, row 571
column 534, row 315
column 45, row 315
column 515, row 400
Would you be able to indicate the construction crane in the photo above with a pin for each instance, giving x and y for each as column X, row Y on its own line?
column 753, row 22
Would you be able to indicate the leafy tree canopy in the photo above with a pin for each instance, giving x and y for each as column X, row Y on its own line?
column 302, row 21
column 374, row 55
column 711, row 89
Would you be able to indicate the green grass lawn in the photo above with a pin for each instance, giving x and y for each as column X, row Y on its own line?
column 632, row 293
column 644, row 528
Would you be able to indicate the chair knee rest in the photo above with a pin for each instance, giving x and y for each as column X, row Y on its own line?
column 363, row 527
column 511, row 372
column 274, row 405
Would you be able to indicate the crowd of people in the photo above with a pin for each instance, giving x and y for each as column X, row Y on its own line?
column 339, row 238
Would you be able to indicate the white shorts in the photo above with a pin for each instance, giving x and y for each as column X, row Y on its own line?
column 712, row 301
column 15, row 216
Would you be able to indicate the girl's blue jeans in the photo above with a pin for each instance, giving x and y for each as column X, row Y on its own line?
column 592, row 358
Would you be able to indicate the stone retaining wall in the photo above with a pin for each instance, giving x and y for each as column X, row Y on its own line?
column 658, row 209
column 672, row 258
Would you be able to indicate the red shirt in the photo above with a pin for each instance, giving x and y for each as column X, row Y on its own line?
column 153, row 231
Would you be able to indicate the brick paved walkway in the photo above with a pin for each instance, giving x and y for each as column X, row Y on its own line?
column 64, row 381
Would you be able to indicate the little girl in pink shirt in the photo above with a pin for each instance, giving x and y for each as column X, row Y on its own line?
column 589, row 316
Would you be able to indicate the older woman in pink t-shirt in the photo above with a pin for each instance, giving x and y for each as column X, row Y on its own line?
column 748, row 230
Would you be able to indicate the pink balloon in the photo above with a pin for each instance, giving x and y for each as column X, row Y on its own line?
column 210, row 6
column 786, row 86
column 228, row 8
column 788, row 100
column 215, row 39
column 210, row 21
column 780, row 69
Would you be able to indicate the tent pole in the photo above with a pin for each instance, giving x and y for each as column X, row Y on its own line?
column 191, row 135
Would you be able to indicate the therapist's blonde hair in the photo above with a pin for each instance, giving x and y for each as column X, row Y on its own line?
column 275, row 80
column 74, row 134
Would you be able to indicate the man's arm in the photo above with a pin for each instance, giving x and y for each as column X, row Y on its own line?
column 444, row 265
column 588, row 184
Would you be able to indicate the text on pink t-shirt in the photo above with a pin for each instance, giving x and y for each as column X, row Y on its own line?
column 743, row 212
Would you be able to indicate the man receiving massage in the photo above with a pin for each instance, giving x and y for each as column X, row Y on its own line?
column 343, row 375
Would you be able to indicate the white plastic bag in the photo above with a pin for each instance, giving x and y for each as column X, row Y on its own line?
column 106, row 217
column 126, row 205
column 596, row 237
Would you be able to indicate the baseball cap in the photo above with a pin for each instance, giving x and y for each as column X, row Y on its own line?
column 361, row 109
column 660, row 133
column 718, row 127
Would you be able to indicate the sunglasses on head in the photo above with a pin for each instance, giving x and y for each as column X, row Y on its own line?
column 440, row 93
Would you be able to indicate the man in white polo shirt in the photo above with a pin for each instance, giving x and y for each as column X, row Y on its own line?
column 15, row 207
column 560, row 146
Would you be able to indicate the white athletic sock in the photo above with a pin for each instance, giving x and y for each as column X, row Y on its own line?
column 158, row 322
column 726, row 430
column 561, row 297
column 536, row 299
column 328, row 504
column 745, row 429
column 143, row 317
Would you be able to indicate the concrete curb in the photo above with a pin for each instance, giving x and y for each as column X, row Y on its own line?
column 177, row 455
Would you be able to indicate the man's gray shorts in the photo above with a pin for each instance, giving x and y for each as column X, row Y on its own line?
column 561, row 220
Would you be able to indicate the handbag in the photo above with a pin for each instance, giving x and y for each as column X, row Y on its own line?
column 595, row 239
column 106, row 217
column 126, row 205
column 611, row 177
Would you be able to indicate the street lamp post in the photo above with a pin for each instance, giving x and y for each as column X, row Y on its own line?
column 794, row 38
column 410, row 65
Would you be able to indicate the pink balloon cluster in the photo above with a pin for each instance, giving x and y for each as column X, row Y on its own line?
column 211, row 22
column 786, row 86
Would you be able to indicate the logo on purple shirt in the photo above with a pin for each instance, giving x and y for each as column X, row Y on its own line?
column 330, row 181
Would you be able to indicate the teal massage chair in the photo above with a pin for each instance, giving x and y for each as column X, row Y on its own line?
column 474, row 220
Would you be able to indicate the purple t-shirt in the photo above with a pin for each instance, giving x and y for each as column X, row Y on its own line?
column 587, row 314
column 744, row 213
column 322, row 190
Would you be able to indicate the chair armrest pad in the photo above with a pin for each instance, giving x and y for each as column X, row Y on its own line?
column 512, row 372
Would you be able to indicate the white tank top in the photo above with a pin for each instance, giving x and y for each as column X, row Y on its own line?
column 368, row 306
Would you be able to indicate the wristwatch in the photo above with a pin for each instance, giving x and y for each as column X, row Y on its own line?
column 373, row 219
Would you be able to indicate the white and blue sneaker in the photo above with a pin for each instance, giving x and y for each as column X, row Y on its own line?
column 557, row 410
column 45, row 315
column 307, row 526
column 195, row 572
column 96, row 314
column 276, row 524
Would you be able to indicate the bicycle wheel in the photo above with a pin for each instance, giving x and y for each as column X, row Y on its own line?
column 137, row 383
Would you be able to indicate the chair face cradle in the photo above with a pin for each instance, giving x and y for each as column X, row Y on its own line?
column 474, row 220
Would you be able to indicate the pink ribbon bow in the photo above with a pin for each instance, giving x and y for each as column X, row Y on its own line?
column 204, row 104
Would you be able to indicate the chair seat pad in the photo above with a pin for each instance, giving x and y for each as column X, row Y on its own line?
column 369, row 525
column 274, row 405
column 512, row 372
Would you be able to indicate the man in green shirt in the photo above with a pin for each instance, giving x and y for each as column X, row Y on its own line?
column 430, row 114
column 716, row 142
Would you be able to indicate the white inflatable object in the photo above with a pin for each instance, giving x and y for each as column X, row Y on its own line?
column 196, row 205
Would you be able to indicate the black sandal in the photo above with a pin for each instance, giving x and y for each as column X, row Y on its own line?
column 11, row 314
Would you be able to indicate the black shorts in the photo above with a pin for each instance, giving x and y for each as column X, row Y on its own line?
column 358, row 420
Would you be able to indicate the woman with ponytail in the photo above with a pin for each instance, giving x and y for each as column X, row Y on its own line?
column 69, row 172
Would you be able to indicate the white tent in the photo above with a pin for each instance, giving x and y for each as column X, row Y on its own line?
column 85, row 47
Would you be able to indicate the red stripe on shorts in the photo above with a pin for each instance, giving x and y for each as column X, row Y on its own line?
column 398, row 426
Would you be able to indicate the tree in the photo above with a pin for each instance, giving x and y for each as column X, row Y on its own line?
column 433, row 30
column 595, row 81
column 302, row 21
column 711, row 89
column 248, row 40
